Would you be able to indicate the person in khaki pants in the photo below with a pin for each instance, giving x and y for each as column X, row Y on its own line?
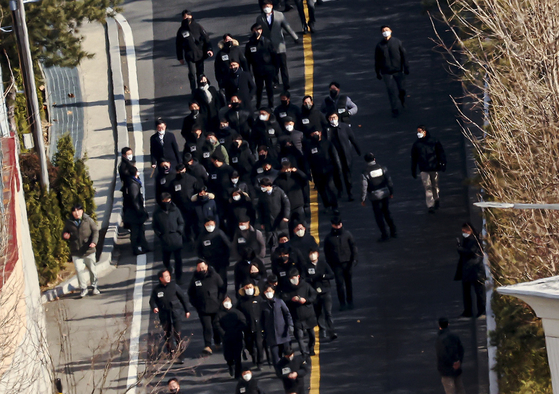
column 82, row 233
column 450, row 354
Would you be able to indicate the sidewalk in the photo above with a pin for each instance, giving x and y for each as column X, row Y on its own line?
column 87, row 336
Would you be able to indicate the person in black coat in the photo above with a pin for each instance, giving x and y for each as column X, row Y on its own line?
column 182, row 190
column 214, row 247
column 319, row 274
column 311, row 118
column 168, row 301
column 342, row 137
column 277, row 323
column 205, row 207
column 287, row 109
column 324, row 163
column 193, row 119
column 299, row 297
column 341, row 254
column 210, row 102
column 294, row 183
column 220, row 179
column 292, row 370
column 267, row 131
column 391, row 63
column 238, row 118
column 247, row 237
column 261, row 56
column 240, row 205
column 450, row 354
column 283, row 259
column 229, row 50
column 339, row 104
column 168, row 226
column 470, row 270
column 193, row 46
column 241, row 158
column 135, row 214
column 225, row 134
column 250, row 304
column 274, row 211
column 195, row 169
column 243, row 268
column 164, row 145
column 302, row 239
column 427, row 153
column 247, row 384
column 232, row 325
column 204, row 294
column 126, row 168
column 195, row 145
column 164, row 179
column 240, row 83
column 297, row 137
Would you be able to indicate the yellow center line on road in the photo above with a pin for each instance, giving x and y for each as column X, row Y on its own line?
column 309, row 90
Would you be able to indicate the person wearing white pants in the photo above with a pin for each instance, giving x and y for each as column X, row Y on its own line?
column 82, row 234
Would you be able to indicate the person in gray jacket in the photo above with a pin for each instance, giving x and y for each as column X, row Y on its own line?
column 273, row 23
column 378, row 187
column 82, row 233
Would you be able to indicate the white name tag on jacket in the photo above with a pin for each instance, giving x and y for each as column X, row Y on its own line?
column 160, row 294
column 305, row 121
column 178, row 188
column 271, row 131
column 224, row 57
column 207, row 242
column 206, row 155
column 318, row 290
column 283, row 114
column 242, row 390
column 253, row 49
column 198, row 283
column 286, row 371
column 314, row 150
column 260, row 170
column 234, row 160
column 214, row 176
column 376, row 173
column 282, row 273
column 341, row 110
column 163, row 181
column 241, row 240
column 185, row 34
column 193, row 148
column 222, row 141
column 312, row 271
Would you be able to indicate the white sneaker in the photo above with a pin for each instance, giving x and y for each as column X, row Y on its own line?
column 83, row 293
column 95, row 291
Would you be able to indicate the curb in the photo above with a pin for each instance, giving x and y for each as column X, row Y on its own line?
column 104, row 265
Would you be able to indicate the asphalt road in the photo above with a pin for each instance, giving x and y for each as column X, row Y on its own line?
column 385, row 345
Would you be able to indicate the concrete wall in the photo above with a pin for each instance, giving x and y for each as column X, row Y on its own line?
column 25, row 364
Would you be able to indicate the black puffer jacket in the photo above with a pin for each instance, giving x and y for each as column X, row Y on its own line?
column 303, row 314
column 168, row 225
column 339, row 247
column 192, row 42
column 427, row 153
column 203, row 291
column 470, row 265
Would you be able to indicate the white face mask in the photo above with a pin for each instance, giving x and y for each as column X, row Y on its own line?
column 243, row 227
column 210, row 229
column 227, row 305
column 247, row 377
column 386, row 34
column 235, row 180
column 419, row 135
column 314, row 258
column 294, row 281
column 130, row 157
column 300, row 233
column 249, row 291
column 236, row 197
column 289, row 127
column 269, row 294
column 334, row 123
column 465, row 235
column 263, row 117
column 161, row 132
column 264, row 189
column 267, row 10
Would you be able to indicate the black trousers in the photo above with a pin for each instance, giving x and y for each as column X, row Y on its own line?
column 178, row 263
column 260, row 80
column 172, row 329
column 277, row 351
column 301, row 9
column 299, row 334
column 281, row 62
column 254, row 344
column 323, row 310
column 138, row 237
column 345, row 175
column 222, row 271
column 325, row 187
column 194, row 67
column 209, row 328
column 344, row 286
column 479, row 290
column 382, row 214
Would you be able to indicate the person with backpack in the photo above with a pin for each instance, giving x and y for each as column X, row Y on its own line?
column 377, row 186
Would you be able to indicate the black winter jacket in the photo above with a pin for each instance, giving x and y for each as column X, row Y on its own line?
column 214, row 248
column 449, row 350
column 203, row 292
column 339, row 247
column 168, row 225
column 390, row 57
column 427, row 153
column 293, row 184
column 273, row 208
column 303, row 314
column 192, row 42
column 168, row 298
column 319, row 276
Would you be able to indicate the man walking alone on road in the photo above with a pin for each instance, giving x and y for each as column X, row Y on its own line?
column 450, row 354
column 82, row 233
